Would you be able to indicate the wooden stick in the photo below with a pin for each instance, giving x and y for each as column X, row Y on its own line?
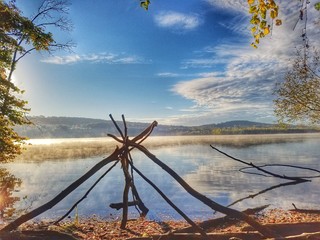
column 125, row 204
column 118, row 206
column 116, row 125
column 125, row 126
column 195, row 226
column 24, row 218
column 128, row 182
column 225, row 221
column 86, row 194
column 140, row 204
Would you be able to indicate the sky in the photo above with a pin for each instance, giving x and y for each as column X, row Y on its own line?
column 180, row 63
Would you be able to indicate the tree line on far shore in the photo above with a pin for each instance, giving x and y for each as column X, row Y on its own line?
column 70, row 127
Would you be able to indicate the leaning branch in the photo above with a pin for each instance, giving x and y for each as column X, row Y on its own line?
column 215, row 206
column 86, row 194
column 194, row 226
column 34, row 213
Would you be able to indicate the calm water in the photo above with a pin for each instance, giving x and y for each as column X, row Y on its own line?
column 209, row 172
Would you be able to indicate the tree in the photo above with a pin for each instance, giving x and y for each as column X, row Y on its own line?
column 20, row 36
column 298, row 96
column 8, row 185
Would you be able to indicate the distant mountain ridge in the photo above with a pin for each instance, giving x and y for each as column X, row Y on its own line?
column 239, row 123
column 77, row 127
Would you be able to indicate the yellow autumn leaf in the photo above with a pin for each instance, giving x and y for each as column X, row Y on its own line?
column 253, row 9
column 250, row 2
column 263, row 24
column 276, row 11
column 266, row 31
column 253, row 45
column 263, row 13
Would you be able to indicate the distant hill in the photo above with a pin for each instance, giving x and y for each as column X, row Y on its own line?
column 238, row 123
column 242, row 124
column 73, row 127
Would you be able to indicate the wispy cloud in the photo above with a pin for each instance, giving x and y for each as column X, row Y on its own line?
column 209, row 74
column 231, row 5
column 108, row 58
column 189, row 75
column 243, row 86
column 202, row 62
column 168, row 74
column 177, row 21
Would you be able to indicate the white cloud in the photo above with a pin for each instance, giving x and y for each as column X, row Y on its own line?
column 108, row 58
column 176, row 20
column 209, row 74
column 202, row 62
column 242, row 87
column 167, row 74
column 231, row 5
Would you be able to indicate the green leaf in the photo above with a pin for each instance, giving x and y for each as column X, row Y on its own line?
column 317, row 6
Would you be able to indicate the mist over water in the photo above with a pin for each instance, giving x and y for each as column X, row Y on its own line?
column 206, row 170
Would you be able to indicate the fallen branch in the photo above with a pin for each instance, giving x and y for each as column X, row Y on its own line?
column 223, row 221
column 312, row 211
column 261, row 169
column 215, row 206
column 36, row 235
column 283, row 165
column 210, row 236
column 289, row 230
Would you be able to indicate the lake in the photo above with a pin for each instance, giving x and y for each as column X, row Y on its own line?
column 209, row 172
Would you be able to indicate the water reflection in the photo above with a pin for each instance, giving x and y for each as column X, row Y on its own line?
column 8, row 185
column 207, row 171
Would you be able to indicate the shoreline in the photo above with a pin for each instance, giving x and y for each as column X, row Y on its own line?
column 284, row 222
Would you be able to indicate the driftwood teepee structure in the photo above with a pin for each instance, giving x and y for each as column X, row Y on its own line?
column 122, row 155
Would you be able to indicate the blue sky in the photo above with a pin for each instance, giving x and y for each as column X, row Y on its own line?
column 181, row 63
